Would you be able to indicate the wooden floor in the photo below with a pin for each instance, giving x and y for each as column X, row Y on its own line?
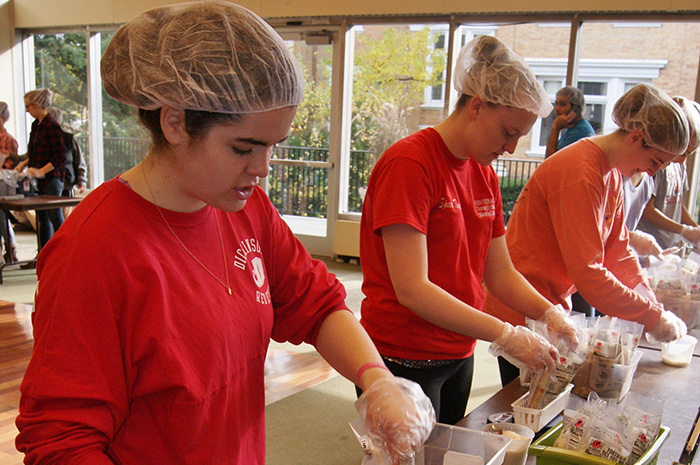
column 286, row 372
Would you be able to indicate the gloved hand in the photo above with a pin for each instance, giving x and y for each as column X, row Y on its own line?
column 691, row 233
column 645, row 244
column 398, row 418
column 558, row 323
column 670, row 328
column 524, row 349
column 645, row 291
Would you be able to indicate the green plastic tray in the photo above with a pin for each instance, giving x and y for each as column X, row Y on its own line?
column 543, row 448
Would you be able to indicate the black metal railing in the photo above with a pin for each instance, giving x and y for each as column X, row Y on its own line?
column 299, row 189
column 513, row 173
column 298, row 180
column 120, row 153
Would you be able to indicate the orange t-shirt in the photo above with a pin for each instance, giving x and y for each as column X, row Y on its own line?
column 567, row 233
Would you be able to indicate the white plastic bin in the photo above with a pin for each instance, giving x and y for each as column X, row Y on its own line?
column 536, row 419
column 455, row 445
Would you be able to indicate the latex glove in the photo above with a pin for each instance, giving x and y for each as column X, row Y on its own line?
column 558, row 323
column 524, row 349
column 645, row 291
column 645, row 244
column 691, row 233
column 398, row 418
column 670, row 328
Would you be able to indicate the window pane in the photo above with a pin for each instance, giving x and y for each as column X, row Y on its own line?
column 552, row 86
column 125, row 141
column 61, row 65
column 593, row 88
column 594, row 115
column 545, row 47
column 297, row 190
column 663, row 54
column 546, row 128
column 396, row 68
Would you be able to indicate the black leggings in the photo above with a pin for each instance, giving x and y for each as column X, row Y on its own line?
column 508, row 371
column 448, row 386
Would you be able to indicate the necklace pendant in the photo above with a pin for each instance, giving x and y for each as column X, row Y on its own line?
column 229, row 291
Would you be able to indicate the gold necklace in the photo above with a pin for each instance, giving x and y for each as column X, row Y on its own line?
column 226, row 284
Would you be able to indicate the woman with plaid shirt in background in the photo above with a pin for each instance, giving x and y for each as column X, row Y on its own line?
column 46, row 158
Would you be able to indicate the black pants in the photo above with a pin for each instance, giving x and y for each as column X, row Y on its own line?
column 580, row 305
column 447, row 386
column 508, row 371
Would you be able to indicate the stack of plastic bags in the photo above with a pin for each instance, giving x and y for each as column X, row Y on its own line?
column 604, row 360
column 620, row 432
column 545, row 386
column 611, row 362
column 676, row 283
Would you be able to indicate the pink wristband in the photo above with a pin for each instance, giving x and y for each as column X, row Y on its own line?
column 367, row 366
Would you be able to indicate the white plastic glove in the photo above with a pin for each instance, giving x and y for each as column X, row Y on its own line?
column 398, row 418
column 524, row 348
column 645, row 244
column 558, row 323
column 670, row 328
column 691, row 233
column 645, row 291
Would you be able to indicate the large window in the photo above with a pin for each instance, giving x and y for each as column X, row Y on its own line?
column 299, row 176
column 393, row 65
column 124, row 141
column 60, row 64
column 392, row 83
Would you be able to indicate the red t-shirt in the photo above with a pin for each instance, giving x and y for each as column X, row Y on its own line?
column 457, row 205
column 140, row 354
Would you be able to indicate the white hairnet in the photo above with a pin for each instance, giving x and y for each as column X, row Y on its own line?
column 4, row 111
column 650, row 110
column 56, row 114
column 208, row 56
column 691, row 109
column 41, row 97
column 487, row 68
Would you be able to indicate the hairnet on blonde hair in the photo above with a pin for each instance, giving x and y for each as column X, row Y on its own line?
column 691, row 109
column 574, row 96
column 487, row 68
column 4, row 111
column 42, row 97
column 211, row 56
column 650, row 110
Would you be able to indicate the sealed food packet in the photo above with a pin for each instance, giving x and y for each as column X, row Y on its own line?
column 621, row 432
column 546, row 386
column 642, row 418
column 607, row 443
column 610, row 363
column 577, row 419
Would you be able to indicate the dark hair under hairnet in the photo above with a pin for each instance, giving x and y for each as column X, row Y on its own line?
column 211, row 56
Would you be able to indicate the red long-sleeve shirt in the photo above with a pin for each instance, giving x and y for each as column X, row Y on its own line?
column 140, row 355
